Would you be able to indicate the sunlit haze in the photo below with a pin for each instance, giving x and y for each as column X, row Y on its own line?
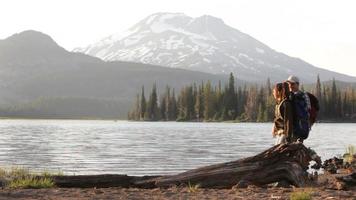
column 321, row 32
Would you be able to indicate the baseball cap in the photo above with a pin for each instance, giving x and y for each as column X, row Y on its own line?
column 293, row 79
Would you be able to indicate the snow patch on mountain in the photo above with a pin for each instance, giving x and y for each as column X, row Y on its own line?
column 203, row 43
column 260, row 50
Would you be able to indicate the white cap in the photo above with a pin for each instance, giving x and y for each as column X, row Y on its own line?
column 293, row 79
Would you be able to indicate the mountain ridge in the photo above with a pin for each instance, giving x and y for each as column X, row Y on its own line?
column 55, row 82
column 204, row 44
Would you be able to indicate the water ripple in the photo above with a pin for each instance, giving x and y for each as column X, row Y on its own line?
column 138, row 148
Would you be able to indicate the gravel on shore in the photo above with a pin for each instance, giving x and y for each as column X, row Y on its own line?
column 250, row 193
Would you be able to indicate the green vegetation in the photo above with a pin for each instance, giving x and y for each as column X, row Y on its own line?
column 300, row 195
column 254, row 103
column 349, row 154
column 65, row 108
column 49, row 174
column 17, row 177
column 192, row 188
column 31, row 182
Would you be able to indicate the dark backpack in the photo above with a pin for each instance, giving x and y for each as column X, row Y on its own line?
column 301, row 124
column 313, row 112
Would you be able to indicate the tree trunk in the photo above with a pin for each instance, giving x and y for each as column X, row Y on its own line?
column 287, row 162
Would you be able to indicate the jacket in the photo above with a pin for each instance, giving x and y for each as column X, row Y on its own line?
column 283, row 121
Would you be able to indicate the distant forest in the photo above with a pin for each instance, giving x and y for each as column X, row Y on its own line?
column 254, row 103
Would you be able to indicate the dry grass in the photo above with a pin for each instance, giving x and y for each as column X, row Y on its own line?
column 305, row 194
column 349, row 154
column 192, row 188
column 19, row 177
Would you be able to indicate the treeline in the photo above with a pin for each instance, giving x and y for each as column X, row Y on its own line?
column 66, row 108
column 207, row 102
column 335, row 104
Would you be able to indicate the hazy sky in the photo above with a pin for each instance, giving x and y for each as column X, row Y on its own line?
column 321, row 32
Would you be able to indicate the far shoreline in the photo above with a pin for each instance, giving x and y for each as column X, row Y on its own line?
column 192, row 121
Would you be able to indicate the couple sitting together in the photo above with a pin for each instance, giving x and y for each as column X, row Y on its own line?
column 295, row 112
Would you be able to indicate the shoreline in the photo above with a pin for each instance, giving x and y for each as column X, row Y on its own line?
column 319, row 191
column 126, row 120
column 251, row 193
column 334, row 183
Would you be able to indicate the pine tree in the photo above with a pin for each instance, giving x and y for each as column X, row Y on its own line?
column 219, row 104
column 268, row 87
column 353, row 101
column 180, row 106
column 136, row 114
column 230, row 100
column 152, row 107
column 168, row 106
column 208, row 102
column 199, row 105
column 251, row 105
column 261, row 101
column 318, row 88
column 318, row 94
column 195, row 93
column 190, row 103
column 345, row 107
column 266, row 116
column 260, row 113
column 326, row 100
column 338, row 105
column 174, row 106
column 333, row 98
column 163, row 108
column 270, row 103
column 142, row 105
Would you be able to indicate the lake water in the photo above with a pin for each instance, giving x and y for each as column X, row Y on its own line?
column 146, row 148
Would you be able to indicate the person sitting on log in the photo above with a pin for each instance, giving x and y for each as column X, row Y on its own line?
column 283, row 121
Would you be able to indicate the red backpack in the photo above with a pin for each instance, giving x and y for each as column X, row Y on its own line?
column 313, row 112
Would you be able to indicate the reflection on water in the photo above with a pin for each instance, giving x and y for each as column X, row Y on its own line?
column 138, row 148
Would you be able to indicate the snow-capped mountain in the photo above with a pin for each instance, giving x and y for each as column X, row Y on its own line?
column 204, row 44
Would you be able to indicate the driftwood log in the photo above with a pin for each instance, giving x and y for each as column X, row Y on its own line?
column 287, row 162
column 102, row 181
